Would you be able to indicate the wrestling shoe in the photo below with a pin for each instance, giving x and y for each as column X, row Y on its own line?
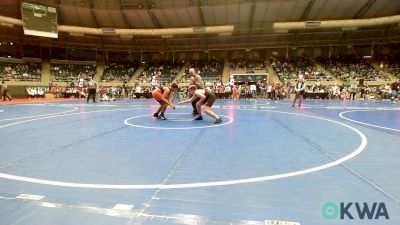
column 162, row 117
column 218, row 121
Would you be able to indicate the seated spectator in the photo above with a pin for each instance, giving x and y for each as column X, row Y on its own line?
column 288, row 70
column 348, row 68
column 160, row 73
column 248, row 65
column 120, row 73
column 40, row 93
column 209, row 70
column 107, row 98
column 31, row 92
column 20, row 71
column 53, row 90
column 71, row 72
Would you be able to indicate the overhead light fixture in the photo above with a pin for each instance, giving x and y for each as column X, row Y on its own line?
column 77, row 34
column 126, row 36
column 199, row 29
column 349, row 28
column 108, row 30
column 281, row 31
column 312, row 23
column 225, row 34
column 6, row 24
column 167, row 36
column 134, row 32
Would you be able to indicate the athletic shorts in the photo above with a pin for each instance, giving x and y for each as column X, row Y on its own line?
column 157, row 95
column 210, row 100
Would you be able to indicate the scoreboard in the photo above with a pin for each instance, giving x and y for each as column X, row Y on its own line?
column 39, row 20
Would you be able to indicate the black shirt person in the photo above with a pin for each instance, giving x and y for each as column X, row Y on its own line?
column 4, row 91
column 92, row 86
column 299, row 91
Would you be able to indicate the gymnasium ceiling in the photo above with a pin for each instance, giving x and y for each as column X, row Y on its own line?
column 252, row 19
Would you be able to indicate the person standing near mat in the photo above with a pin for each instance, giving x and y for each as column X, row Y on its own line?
column 299, row 91
column 162, row 95
column 195, row 79
column 203, row 97
column 353, row 91
column 4, row 91
column 92, row 86
column 394, row 91
column 154, row 80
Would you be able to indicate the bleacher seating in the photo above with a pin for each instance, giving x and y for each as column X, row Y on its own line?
column 394, row 69
column 248, row 65
column 210, row 71
column 390, row 63
column 20, row 71
column 348, row 68
column 167, row 70
column 70, row 72
column 118, row 72
column 288, row 70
